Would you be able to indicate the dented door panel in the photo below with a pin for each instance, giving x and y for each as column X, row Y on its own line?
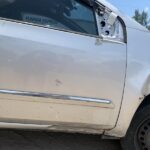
column 46, row 61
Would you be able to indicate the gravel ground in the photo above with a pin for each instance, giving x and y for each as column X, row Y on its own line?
column 35, row 140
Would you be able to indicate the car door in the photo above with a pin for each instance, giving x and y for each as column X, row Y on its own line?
column 55, row 74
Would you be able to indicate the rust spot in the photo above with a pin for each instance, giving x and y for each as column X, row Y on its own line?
column 141, row 98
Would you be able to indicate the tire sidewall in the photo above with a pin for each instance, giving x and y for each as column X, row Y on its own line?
column 130, row 142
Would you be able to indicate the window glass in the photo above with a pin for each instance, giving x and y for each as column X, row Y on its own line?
column 72, row 15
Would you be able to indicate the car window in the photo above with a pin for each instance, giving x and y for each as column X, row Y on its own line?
column 74, row 15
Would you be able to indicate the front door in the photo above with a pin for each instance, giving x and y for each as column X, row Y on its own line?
column 59, row 71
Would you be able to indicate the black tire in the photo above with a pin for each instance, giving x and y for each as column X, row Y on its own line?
column 138, row 135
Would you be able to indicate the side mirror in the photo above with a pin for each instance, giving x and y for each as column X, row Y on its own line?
column 109, row 25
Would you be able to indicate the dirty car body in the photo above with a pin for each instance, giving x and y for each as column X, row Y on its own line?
column 73, row 66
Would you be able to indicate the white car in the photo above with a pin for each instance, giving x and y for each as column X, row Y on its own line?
column 75, row 66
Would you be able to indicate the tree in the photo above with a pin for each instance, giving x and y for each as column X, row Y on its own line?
column 142, row 18
column 137, row 15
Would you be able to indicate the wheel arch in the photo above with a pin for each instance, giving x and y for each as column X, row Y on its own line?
column 144, row 103
column 119, row 131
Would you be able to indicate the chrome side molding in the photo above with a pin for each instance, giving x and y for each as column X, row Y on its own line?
column 56, row 96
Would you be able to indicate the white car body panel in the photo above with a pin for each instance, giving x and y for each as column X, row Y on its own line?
column 78, row 83
column 137, row 80
column 39, row 60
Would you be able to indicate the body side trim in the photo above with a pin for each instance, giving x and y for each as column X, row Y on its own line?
column 56, row 96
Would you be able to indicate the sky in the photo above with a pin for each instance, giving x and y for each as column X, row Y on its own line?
column 129, row 6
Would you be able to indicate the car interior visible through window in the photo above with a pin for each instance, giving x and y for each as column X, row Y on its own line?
column 74, row 15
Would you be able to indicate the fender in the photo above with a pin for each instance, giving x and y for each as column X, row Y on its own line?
column 137, row 83
column 146, row 88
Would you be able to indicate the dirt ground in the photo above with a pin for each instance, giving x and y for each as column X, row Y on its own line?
column 35, row 140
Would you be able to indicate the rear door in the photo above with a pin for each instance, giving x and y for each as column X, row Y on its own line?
column 54, row 67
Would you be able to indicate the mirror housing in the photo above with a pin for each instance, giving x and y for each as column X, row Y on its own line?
column 109, row 25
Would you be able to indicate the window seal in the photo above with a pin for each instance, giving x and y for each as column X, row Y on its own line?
column 95, row 20
column 124, row 28
column 51, row 28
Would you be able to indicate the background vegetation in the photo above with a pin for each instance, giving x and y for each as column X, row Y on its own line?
column 142, row 18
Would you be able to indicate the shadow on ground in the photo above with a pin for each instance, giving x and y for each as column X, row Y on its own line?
column 35, row 140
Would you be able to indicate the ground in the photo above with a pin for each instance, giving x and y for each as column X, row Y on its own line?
column 35, row 140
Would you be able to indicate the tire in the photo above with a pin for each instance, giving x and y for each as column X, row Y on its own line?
column 138, row 135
